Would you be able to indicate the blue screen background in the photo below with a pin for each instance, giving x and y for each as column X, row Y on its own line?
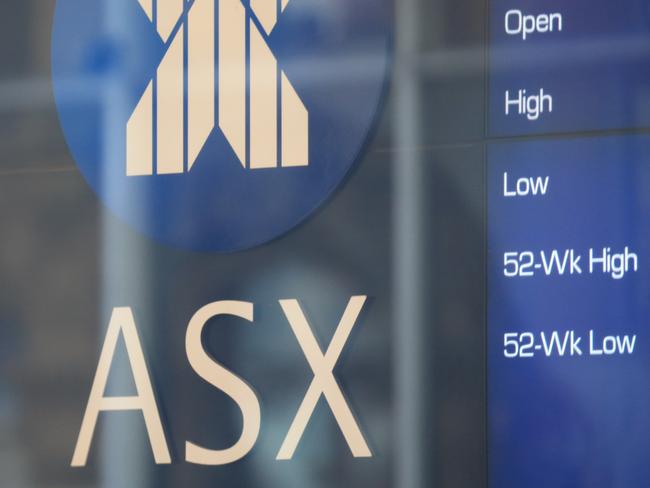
column 571, row 421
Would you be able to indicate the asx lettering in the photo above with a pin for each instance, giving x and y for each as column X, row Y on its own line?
column 323, row 384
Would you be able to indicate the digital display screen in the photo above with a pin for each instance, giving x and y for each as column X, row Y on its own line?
column 568, row 285
column 568, row 309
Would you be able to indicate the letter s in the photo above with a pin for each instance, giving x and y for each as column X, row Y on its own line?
column 218, row 376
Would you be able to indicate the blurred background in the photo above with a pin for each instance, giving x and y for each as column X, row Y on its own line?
column 407, row 229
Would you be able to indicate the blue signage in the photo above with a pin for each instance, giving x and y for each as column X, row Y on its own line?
column 568, row 308
column 558, row 66
column 218, row 125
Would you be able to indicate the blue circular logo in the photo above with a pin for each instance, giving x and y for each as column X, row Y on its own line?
column 218, row 125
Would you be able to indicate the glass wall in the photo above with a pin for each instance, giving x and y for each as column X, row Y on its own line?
column 467, row 238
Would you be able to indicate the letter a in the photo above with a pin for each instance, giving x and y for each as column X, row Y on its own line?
column 122, row 321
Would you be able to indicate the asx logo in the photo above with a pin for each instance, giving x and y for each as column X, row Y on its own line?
column 257, row 102
column 218, row 125
column 324, row 385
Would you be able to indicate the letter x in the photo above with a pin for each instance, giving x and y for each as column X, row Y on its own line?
column 324, row 382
